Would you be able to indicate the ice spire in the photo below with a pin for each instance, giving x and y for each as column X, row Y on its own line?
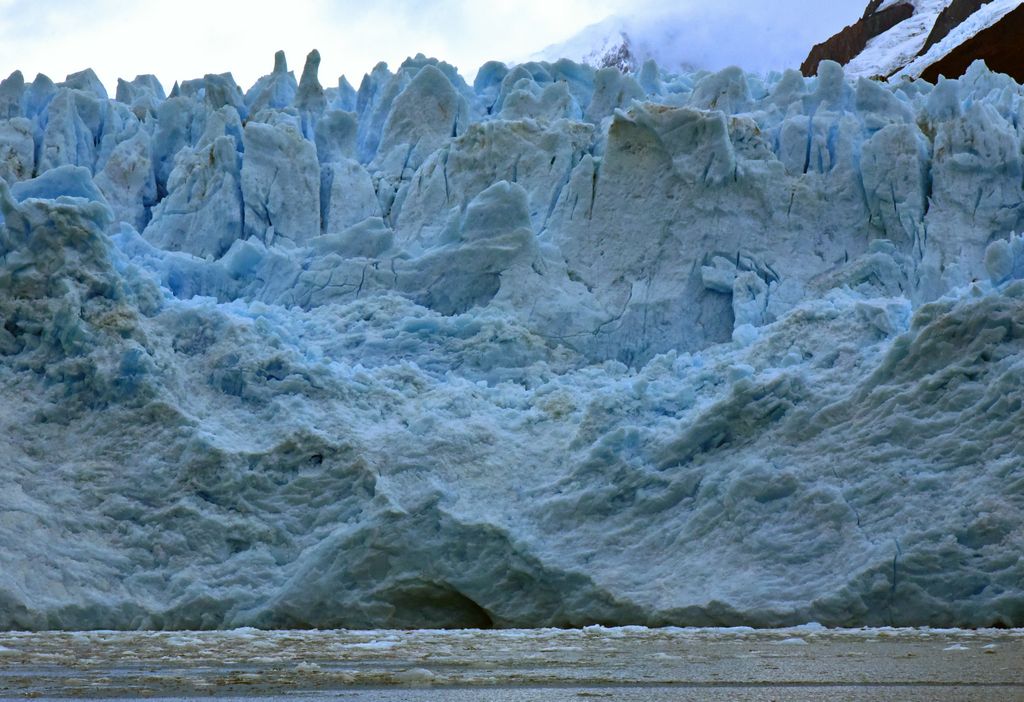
column 310, row 97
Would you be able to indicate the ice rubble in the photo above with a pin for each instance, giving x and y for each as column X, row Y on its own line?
column 559, row 347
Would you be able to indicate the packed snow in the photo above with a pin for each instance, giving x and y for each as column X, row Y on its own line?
column 986, row 16
column 895, row 48
column 559, row 347
column 897, row 53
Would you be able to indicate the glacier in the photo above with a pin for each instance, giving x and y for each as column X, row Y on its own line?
column 557, row 347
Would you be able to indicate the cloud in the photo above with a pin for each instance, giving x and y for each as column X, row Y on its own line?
column 189, row 38
column 759, row 35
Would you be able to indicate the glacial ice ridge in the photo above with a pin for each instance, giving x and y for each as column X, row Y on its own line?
column 562, row 346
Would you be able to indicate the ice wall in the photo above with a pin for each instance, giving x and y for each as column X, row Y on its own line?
column 559, row 347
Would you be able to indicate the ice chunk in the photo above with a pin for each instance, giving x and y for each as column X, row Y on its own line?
column 347, row 195
column 202, row 213
column 12, row 91
column 276, row 91
column 38, row 95
column 944, row 102
column 726, row 90
column 538, row 157
column 17, row 149
column 64, row 181
column 368, row 238
column 879, row 107
column 423, row 117
column 894, row 167
column 86, row 81
column 220, row 90
column 833, row 92
column 1004, row 260
column 128, row 181
column 612, row 90
column 749, row 299
column 650, row 78
column 550, row 103
column 280, row 179
column 494, row 235
column 141, row 86
column 488, row 82
column 67, row 139
column 336, row 136
column 415, row 676
column 345, row 96
column 309, row 98
column 377, row 91
column 175, row 119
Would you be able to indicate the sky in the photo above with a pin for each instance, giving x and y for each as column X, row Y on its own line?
column 188, row 38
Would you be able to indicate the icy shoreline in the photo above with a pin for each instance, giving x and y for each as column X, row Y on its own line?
column 948, row 664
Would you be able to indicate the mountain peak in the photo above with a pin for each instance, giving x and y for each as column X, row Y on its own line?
column 606, row 44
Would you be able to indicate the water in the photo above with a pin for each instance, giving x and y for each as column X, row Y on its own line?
column 631, row 663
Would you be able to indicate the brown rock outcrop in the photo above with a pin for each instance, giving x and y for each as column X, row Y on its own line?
column 852, row 40
column 949, row 19
column 999, row 46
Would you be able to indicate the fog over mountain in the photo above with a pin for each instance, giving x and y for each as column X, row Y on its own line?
column 760, row 36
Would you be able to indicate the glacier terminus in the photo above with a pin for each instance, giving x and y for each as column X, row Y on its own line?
column 558, row 347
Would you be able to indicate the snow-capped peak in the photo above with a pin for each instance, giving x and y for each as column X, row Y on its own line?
column 601, row 45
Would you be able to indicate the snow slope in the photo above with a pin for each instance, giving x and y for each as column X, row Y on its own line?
column 560, row 347
column 898, row 53
column 894, row 49
column 986, row 16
